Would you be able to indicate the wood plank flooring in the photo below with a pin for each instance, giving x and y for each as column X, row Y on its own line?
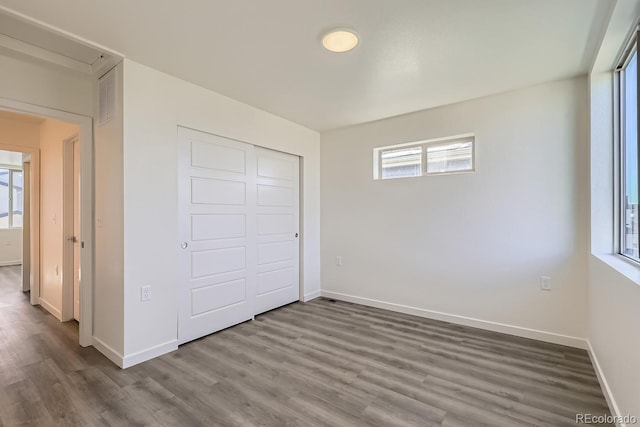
column 317, row 364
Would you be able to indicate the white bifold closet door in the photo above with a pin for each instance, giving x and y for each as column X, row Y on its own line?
column 239, row 219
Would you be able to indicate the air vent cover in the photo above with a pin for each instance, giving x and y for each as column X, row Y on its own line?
column 107, row 97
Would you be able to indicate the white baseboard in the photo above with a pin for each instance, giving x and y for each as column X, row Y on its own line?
column 462, row 320
column 311, row 295
column 108, row 351
column 604, row 385
column 9, row 263
column 134, row 358
column 51, row 309
column 150, row 353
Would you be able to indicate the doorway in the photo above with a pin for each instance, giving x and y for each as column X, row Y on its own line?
column 49, row 266
column 11, row 207
column 19, row 227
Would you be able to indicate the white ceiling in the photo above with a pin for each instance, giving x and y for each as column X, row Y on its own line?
column 413, row 55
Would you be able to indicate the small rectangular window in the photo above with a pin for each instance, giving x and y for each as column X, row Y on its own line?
column 436, row 156
column 403, row 162
column 450, row 157
column 627, row 94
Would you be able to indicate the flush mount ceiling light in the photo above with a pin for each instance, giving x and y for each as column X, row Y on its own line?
column 340, row 40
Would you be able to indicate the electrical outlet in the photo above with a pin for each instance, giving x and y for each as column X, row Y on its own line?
column 145, row 293
column 338, row 261
column 545, row 283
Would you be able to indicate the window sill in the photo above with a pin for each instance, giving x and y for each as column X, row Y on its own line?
column 624, row 266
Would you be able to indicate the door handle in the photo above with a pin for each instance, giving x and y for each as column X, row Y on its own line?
column 184, row 245
column 73, row 239
column 296, row 235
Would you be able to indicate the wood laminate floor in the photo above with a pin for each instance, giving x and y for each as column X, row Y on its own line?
column 320, row 363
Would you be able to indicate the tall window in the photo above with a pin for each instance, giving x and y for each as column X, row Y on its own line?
column 627, row 79
column 11, row 196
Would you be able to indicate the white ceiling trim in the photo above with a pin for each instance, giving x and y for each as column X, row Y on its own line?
column 59, row 31
column 105, row 61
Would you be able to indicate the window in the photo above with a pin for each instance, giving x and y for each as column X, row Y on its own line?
column 401, row 162
column 436, row 156
column 627, row 91
column 11, row 198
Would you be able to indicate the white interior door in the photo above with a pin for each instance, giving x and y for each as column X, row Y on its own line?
column 218, row 248
column 71, row 229
column 278, row 269
column 76, row 229
column 26, row 226
column 239, row 249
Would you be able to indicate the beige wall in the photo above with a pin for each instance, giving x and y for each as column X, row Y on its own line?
column 18, row 132
column 15, row 132
column 52, row 136
column 470, row 247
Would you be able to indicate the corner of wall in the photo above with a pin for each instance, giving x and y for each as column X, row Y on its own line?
column 604, row 384
column 108, row 312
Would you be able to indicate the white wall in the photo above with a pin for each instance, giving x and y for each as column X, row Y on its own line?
column 108, row 309
column 11, row 158
column 614, row 284
column 154, row 105
column 470, row 245
column 614, row 329
column 52, row 135
column 35, row 82
column 10, row 246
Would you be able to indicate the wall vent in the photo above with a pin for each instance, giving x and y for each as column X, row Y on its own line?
column 107, row 97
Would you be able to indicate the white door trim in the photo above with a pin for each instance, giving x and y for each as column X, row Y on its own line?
column 26, row 223
column 87, row 212
column 68, row 222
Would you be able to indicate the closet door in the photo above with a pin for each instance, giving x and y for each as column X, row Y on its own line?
column 239, row 225
column 217, row 193
column 278, row 269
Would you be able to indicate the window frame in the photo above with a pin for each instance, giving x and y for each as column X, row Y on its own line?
column 12, row 170
column 436, row 142
column 631, row 47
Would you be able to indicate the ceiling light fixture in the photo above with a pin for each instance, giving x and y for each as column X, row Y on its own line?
column 340, row 40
